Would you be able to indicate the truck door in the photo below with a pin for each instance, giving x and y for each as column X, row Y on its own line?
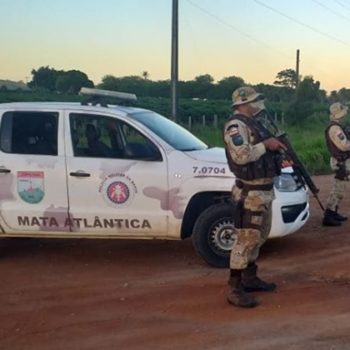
column 114, row 171
column 33, row 187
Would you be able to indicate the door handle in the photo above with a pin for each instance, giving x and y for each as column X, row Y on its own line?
column 79, row 174
column 4, row 171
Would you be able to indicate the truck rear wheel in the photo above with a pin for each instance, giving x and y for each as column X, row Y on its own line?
column 214, row 234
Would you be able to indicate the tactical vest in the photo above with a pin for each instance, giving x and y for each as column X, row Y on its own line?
column 335, row 152
column 267, row 166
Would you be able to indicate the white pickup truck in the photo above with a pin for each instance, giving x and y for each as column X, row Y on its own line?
column 111, row 171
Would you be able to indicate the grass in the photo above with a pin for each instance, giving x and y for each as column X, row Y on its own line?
column 311, row 148
column 307, row 141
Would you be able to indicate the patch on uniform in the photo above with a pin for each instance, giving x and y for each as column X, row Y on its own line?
column 232, row 130
column 30, row 186
column 237, row 139
column 341, row 136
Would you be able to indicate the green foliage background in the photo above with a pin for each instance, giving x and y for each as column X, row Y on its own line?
column 298, row 104
column 307, row 137
column 307, row 141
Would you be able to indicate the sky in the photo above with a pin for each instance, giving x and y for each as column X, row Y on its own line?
column 251, row 39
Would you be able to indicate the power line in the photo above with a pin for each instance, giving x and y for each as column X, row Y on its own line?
column 331, row 10
column 218, row 19
column 342, row 5
column 302, row 23
column 192, row 36
column 236, row 29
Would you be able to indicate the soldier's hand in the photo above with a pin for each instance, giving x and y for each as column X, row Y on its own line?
column 273, row 144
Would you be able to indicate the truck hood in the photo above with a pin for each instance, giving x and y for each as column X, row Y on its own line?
column 215, row 155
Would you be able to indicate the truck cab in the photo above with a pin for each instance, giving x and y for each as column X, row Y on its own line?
column 79, row 170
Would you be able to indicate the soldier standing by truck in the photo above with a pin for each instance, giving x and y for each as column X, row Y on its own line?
column 338, row 144
column 253, row 158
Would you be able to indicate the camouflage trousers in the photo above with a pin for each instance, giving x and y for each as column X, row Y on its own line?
column 336, row 195
column 252, row 223
column 338, row 188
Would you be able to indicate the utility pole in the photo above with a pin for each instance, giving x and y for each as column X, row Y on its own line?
column 174, row 59
column 297, row 70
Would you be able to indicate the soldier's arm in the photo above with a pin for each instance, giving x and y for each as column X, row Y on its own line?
column 236, row 137
column 338, row 137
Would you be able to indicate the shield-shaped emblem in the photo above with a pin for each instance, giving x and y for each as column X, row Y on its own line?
column 30, row 186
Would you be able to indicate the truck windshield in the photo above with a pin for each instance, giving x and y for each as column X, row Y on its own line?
column 172, row 133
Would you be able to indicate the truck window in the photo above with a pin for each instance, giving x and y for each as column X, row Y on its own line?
column 29, row 133
column 106, row 137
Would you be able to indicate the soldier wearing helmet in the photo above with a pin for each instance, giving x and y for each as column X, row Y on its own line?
column 338, row 144
column 252, row 158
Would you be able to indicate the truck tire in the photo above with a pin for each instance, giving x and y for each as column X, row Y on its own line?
column 214, row 234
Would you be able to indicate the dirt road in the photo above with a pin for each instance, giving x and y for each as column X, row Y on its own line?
column 80, row 294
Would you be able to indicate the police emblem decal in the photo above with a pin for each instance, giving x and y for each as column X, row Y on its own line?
column 30, row 186
column 118, row 190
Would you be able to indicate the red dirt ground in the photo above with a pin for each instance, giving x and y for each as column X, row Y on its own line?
column 91, row 294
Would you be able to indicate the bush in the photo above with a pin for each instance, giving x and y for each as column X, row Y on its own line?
column 306, row 136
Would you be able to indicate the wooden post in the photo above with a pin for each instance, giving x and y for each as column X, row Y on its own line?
column 174, row 59
column 189, row 122
column 297, row 70
column 215, row 121
column 203, row 120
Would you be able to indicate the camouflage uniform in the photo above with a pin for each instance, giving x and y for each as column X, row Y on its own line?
column 339, row 146
column 252, row 234
column 251, row 156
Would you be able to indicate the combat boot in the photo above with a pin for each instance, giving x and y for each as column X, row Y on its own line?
column 338, row 216
column 330, row 219
column 252, row 283
column 237, row 296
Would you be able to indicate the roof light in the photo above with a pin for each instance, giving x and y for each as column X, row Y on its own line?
column 107, row 93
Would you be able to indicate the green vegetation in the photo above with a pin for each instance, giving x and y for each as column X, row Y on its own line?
column 308, row 143
column 61, row 81
column 306, row 137
column 204, row 105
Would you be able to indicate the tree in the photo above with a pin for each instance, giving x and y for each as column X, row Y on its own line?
column 44, row 78
column 224, row 88
column 132, row 84
column 286, row 77
column 205, row 79
column 50, row 79
column 344, row 95
column 275, row 93
column 333, row 97
column 201, row 85
column 72, row 81
column 145, row 75
column 308, row 96
column 309, row 90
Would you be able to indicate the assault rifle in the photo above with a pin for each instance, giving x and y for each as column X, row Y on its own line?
column 300, row 172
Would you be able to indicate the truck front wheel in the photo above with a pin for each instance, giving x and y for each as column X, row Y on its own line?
column 214, row 234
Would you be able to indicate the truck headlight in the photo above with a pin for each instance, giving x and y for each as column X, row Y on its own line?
column 285, row 183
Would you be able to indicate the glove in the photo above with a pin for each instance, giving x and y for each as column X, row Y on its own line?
column 273, row 144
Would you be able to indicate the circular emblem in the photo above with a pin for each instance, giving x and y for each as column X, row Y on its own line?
column 118, row 190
